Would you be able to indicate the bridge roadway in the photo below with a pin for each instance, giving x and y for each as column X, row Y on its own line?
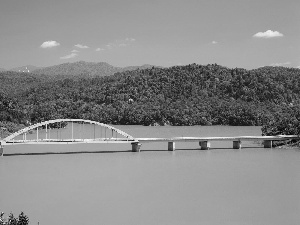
column 102, row 137
column 204, row 142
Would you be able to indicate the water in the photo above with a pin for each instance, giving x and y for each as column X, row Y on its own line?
column 111, row 185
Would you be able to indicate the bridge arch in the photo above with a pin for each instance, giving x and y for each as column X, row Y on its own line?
column 34, row 126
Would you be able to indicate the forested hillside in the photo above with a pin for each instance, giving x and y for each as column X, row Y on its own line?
column 180, row 95
column 13, row 83
column 85, row 69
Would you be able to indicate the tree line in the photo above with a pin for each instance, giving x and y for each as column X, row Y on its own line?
column 22, row 219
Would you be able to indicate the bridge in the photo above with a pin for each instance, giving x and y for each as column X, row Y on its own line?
column 53, row 132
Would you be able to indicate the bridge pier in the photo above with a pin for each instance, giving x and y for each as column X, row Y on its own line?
column 136, row 146
column 268, row 144
column 237, row 144
column 1, row 149
column 171, row 146
column 205, row 145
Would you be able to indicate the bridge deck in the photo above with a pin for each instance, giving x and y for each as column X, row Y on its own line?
column 144, row 140
column 236, row 138
column 70, row 141
column 204, row 142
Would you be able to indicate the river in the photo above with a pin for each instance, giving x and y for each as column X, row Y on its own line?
column 109, row 184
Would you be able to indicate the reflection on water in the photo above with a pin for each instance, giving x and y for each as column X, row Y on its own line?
column 115, row 186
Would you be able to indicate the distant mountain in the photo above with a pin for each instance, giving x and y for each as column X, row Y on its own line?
column 1, row 69
column 89, row 69
column 145, row 66
column 25, row 69
column 79, row 68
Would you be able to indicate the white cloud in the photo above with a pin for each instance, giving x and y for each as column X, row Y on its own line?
column 298, row 67
column 81, row 46
column 99, row 49
column 130, row 39
column 72, row 55
column 74, row 51
column 214, row 42
column 281, row 64
column 49, row 44
column 268, row 34
column 121, row 43
column 109, row 46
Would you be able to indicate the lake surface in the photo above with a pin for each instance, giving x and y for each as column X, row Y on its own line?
column 109, row 184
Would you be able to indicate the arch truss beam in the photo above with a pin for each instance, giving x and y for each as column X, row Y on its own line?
column 46, row 124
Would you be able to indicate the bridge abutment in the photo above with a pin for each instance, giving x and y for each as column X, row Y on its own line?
column 268, row 144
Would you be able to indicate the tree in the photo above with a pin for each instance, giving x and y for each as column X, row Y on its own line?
column 23, row 219
column 12, row 220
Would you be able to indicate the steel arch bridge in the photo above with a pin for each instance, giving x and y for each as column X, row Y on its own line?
column 44, row 137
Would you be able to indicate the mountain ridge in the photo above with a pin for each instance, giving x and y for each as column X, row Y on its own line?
column 89, row 69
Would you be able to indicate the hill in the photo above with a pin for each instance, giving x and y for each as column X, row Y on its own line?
column 25, row 69
column 180, row 95
column 14, row 84
column 87, row 69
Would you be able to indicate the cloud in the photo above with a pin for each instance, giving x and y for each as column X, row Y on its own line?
column 74, row 51
column 99, row 49
column 72, row 55
column 281, row 64
column 81, row 46
column 214, row 42
column 130, row 39
column 49, row 44
column 298, row 67
column 268, row 34
column 120, row 43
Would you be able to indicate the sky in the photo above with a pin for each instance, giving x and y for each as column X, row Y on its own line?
column 233, row 33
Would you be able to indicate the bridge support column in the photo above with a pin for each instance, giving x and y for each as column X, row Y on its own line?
column 237, row 144
column 171, row 146
column 268, row 144
column 136, row 146
column 205, row 145
column 1, row 149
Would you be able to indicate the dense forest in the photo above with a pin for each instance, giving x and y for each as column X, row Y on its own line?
column 180, row 95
